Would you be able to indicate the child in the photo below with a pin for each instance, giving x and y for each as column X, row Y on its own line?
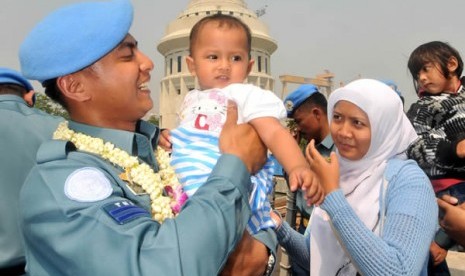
column 439, row 119
column 220, row 60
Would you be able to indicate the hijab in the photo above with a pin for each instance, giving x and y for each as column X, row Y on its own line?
column 361, row 180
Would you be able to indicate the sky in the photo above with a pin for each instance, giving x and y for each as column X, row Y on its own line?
column 350, row 38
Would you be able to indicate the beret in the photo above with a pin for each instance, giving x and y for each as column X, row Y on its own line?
column 8, row 75
column 74, row 37
column 393, row 85
column 297, row 97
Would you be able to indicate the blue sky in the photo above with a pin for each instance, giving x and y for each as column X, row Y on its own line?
column 351, row 38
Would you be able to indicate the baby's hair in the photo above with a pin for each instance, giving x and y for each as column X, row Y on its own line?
column 223, row 20
column 436, row 52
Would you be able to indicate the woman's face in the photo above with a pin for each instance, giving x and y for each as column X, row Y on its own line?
column 351, row 131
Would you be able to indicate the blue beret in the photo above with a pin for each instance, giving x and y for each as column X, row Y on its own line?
column 393, row 85
column 297, row 97
column 74, row 37
column 11, row 76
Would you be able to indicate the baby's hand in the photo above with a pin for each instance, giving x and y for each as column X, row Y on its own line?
column 461, row 149
column 304, row 178
column 164, row 140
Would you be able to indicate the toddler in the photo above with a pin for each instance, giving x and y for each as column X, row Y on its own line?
column 438, row 117
column 220, row 60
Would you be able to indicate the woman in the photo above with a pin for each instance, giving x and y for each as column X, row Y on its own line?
column 379, row 213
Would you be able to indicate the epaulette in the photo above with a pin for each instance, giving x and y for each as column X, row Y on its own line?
column 54, row 150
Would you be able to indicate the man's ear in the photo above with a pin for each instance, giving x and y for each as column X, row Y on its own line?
column 30, row 98
column 191, row 65
column 71, row 87
column 317, row 112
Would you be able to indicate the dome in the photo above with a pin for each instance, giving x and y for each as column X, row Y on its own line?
column 174, row 46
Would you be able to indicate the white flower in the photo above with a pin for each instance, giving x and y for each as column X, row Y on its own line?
column 139, row 173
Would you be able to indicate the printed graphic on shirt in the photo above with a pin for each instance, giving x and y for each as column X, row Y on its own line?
column 87, row 185
column 205, row 111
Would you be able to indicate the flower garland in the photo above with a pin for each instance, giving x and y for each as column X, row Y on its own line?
column 166, row 194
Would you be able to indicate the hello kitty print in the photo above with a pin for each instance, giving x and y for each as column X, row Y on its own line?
column 205, row 110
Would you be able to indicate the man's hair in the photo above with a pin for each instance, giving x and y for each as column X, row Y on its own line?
column 228, row 21
column 12, row 89
column 436, row 52
column 53, row 92
column 316, row 99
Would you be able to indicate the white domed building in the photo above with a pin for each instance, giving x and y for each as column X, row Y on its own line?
column 174, row 46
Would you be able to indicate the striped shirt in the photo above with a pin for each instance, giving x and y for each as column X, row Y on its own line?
column 195, row 141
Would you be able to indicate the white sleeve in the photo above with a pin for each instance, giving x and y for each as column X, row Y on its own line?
column 254, row 102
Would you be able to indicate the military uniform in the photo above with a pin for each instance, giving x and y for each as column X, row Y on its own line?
column 324, row 148
column 292, row 102
column 23, row 129
column 81, row 219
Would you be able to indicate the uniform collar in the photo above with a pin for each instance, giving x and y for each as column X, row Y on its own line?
column 328, row 142
column 140, row 143
column 11, row 98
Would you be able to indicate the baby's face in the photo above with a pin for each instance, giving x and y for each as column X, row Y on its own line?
column 220, row 56
column 432, row 80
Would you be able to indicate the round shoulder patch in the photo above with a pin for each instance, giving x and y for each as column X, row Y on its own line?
column 87, row 185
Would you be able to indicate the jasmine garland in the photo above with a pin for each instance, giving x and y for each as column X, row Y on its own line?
column 164, row 205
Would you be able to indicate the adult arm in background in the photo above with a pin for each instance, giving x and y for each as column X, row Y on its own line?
column 297, row 245
column 453, row 221
column 250, row 257
column 409, row 226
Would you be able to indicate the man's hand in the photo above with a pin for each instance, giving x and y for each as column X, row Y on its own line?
column 242, row 140
column 453, row 221
column 249, row 258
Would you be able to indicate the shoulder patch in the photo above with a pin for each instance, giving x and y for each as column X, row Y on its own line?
column 87, row 185
column 124, row 211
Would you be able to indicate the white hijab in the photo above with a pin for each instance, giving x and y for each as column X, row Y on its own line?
column 360, row 180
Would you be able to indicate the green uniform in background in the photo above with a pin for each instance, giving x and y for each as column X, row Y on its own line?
column 324, row 148
column 22, row 130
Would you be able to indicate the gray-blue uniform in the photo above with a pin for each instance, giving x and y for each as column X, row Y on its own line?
column 292, row 102
column 80, row 218
column 22, row 130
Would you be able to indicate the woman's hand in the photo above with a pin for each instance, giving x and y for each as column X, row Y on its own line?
column 327, row 170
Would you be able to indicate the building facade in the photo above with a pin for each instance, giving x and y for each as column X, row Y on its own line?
column 174, row 46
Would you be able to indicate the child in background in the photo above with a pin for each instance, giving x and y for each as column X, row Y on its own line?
column 438, row 117
column 220, row 60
